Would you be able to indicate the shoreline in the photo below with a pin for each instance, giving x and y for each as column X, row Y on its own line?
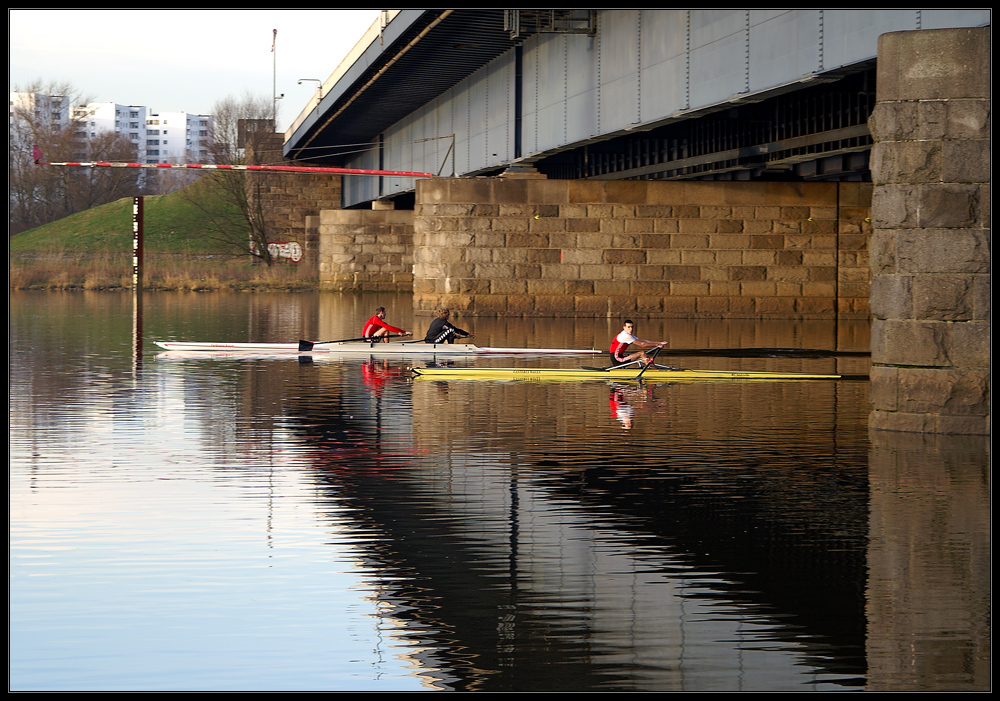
column 162, row 271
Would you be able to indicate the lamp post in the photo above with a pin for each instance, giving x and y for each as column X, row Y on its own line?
column 274, row 81
column 319, row 86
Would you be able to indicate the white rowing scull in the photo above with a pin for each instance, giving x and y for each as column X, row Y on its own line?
column 364, row 348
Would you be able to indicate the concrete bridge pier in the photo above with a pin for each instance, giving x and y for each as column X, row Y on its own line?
column 930, row 248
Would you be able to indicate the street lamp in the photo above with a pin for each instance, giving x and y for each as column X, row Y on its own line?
column 319, row 84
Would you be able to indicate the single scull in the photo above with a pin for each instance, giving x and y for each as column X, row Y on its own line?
column 657, row 374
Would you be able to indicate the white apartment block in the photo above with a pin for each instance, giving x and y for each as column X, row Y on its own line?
column 51, row 109
column 159, row 137
column 127, row 120
column 178, row 137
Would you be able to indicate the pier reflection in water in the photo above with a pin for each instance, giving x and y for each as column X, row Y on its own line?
column 333, row 524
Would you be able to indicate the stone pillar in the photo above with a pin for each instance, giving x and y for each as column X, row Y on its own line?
column 930, row 249
column 364, row 250
column 291, row 204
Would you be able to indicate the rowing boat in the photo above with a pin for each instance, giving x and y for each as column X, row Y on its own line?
column 657, row 374
column 364, row 348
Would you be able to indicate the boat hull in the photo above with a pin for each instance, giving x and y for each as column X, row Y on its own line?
column 624, row 374
column 363, row 348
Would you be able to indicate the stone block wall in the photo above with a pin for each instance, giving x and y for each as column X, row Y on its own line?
column 292, row 201
column 527, row 247
column 930, row 257
column 366, row 250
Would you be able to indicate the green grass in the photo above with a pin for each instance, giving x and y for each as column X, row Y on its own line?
column 171, row 224
column 92, row 250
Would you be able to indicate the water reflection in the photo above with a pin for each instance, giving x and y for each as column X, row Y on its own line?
column 262, row 524
column 928, row 587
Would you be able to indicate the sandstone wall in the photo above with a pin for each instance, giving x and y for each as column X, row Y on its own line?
column 292, row 202
column 366, row 250
column 930, row 260
column 526, row 247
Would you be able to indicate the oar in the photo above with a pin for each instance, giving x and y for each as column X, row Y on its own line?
column 308, row 345
column 763, row 352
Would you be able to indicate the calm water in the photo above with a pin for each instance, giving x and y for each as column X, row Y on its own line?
column 257, row 524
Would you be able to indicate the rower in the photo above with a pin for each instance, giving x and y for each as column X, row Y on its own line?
column 375, row 329
column 620, row 343
column 443, row 331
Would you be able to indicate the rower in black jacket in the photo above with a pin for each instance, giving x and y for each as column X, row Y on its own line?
column 442, row 331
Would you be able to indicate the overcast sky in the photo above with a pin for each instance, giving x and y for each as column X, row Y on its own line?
column 183, row 60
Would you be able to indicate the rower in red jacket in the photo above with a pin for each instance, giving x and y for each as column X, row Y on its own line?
column 620, row 343
column 376, row 329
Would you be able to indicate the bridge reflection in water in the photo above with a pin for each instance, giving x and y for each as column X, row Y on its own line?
column 525, row 539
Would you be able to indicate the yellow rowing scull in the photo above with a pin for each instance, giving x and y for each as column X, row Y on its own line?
column 657, row 374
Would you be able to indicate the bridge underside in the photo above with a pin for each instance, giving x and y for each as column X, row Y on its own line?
column 815, row 134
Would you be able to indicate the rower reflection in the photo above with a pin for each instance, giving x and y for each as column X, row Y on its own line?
column 376, row 372
column 625, row 401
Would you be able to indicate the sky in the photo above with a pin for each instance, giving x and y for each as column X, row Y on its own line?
column 183, row 60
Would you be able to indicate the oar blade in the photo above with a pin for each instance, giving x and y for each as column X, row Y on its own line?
column 305, row 346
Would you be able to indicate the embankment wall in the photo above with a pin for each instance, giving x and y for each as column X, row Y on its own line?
column 527, row 247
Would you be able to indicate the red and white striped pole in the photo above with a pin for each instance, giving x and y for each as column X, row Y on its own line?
column 248, row 168
column 137, row 243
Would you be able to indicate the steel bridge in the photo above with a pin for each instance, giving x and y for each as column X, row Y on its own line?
column 605, row 94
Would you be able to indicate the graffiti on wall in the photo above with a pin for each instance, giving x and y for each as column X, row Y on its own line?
column 290, row 250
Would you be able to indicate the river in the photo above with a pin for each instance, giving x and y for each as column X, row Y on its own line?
column 227, row 523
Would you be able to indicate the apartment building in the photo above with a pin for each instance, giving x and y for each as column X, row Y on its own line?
column 178, row 137
column 48, row 109
column 159, row 137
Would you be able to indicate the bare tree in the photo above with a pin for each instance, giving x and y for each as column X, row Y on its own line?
column 40, row 194
column 234, row 207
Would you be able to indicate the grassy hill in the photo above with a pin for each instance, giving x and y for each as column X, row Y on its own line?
column 171, row 224
column 92, row 250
